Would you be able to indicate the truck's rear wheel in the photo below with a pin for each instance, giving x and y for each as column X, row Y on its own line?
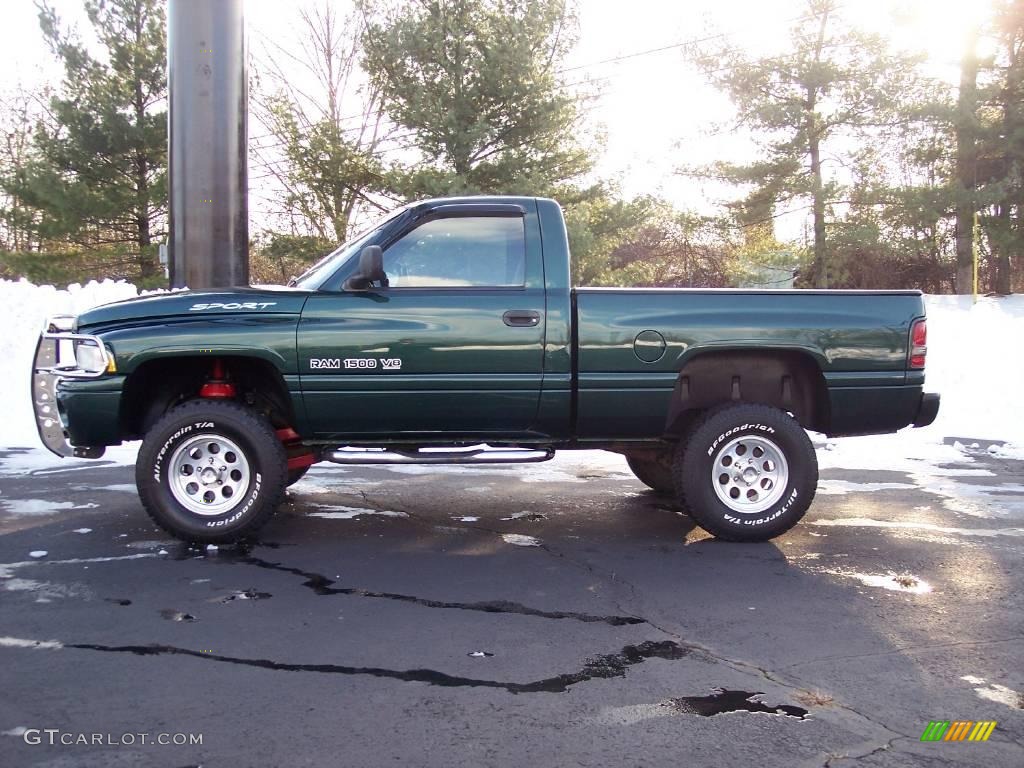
column 653, row 469
column 746, row 472
column 211, row 471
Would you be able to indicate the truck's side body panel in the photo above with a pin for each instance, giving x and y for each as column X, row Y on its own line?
column 857, row 339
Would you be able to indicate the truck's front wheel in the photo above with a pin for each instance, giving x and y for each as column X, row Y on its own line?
column 746, row 472
column 211, row 471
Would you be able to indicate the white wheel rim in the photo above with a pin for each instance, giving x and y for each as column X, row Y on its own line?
column 208, row 475
column 749, row 474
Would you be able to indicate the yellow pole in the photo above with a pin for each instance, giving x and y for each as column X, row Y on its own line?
column 974, row 253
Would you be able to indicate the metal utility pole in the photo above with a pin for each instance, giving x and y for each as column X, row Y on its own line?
column 208, row 136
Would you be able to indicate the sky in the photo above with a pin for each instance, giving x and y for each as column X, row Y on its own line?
column 656, row 111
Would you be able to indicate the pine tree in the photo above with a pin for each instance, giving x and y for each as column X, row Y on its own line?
column 1003, row 149
column 475, row 84
column 966, row 180
column 98, row 174
column 832, row 81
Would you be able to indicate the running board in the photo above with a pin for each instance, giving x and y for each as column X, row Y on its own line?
column 473, row 455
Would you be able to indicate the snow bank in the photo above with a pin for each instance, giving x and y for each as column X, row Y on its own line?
column 975, row 360
column 24, row 308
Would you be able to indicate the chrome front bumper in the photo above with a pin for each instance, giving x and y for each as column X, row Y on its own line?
column 48, row 368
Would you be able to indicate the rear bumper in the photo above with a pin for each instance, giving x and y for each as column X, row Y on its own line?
column 927, row 410
column 879, row 410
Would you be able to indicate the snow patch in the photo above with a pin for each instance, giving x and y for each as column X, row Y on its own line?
column 891, row 581
column 842, row 487
column 519, row 540
column 348, row 513
column 1008, row 451
column 526, row 515
column 42, row 506
column 907, row 525
column 1000, row 694
column 18, row 642
column 44, row 591
column 37, row 553
column 937, row 469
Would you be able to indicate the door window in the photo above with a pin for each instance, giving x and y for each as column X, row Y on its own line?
column 463, row 252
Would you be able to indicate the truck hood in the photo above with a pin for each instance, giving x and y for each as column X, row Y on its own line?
column 228, row 301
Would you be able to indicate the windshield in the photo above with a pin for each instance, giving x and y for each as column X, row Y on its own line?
column 314, row 277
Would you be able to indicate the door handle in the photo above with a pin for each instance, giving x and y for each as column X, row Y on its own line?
column 521, row 318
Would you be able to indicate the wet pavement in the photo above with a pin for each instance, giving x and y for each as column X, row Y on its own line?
column 548, row 615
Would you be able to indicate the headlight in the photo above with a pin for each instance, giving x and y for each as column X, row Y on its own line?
column 90, row 357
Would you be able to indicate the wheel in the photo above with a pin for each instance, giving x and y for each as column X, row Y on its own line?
column 211, row 471
column 746, row 472
column 294, row 475
column 653, row 469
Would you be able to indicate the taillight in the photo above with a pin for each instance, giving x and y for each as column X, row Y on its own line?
column 918, row 343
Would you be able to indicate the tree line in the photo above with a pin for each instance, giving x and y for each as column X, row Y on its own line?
column 903, row 180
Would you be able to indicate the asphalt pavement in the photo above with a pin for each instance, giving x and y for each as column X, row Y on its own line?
column 554, row 615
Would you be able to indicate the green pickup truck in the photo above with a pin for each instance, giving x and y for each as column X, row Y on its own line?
column 450, row 333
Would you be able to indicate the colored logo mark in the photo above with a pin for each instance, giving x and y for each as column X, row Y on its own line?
column 958, row 730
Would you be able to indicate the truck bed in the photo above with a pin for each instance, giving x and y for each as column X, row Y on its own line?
column 858, row 339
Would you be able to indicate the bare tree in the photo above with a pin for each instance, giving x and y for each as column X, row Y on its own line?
column 325, row 125
column 20, row 112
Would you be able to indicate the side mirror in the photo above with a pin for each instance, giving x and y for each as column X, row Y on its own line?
column 370, row 271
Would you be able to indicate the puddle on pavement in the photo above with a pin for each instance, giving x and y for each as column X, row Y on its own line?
column 725, row 700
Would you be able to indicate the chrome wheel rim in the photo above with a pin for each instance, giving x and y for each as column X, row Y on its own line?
column 749, row 474
column 209, row 475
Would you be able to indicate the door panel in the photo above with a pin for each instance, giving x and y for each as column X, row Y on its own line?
column 430, row 349
column 420, row 361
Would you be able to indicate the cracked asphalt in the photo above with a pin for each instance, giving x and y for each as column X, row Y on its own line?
column 543, row 616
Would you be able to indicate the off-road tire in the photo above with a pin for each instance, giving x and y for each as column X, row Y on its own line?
column 255, row 438
column 653, row 470
column 704, row 444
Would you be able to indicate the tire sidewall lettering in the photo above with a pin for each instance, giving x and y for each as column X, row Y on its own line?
column 257, row 482
column 161, row 476
column 795, row 498
column 764, row 428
